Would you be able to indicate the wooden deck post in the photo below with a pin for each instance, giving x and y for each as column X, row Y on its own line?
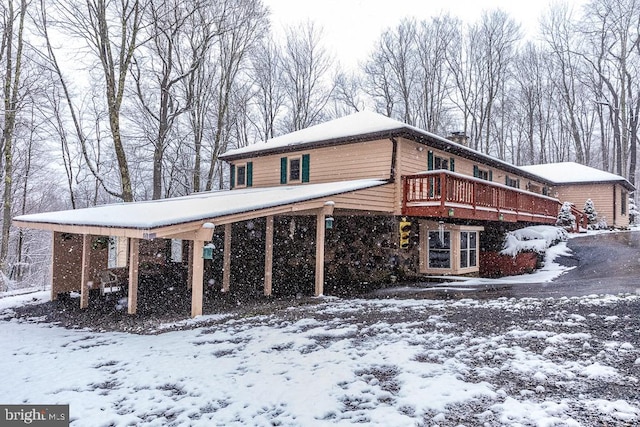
column 226, row 265
column 132, row 298
column 190, row 264
column 55, row 236
column 320, row 236
column 197, row 278
column 268, row 257
column 85, row 278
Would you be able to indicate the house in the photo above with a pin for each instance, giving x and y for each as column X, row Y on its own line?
column 339, row 203
column 575, row 183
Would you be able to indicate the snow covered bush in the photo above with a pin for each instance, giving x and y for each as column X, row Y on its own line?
column 566, row 219
column 590, row 212
column 537, row 238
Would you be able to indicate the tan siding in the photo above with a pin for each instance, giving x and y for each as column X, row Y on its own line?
column 378, row 199
column 371, row 159
column 602, row 197
column 413, row 159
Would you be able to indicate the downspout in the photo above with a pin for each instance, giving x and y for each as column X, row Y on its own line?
column 615, row 206
column 394, row 154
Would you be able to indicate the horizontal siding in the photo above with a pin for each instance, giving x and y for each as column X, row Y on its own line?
column 413, row 159
column 602, row 197
column 371, row 159
column 378, row 199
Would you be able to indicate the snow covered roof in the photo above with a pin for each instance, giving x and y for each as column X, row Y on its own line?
column 358, row 124
column 363, row 126
column 574, row 173
column 200, row 206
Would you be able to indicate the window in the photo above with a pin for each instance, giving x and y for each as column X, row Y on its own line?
column 468, row 249
column 624, row 199
column 241, row 175
column 487, row 175
column 294, row 169
column 510, row 182
column 439, row 249
column 438, row 163
column 176, row 250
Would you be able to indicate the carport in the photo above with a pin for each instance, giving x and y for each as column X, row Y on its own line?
column 190, row 218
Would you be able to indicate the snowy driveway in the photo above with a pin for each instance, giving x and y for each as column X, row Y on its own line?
column 516, row 362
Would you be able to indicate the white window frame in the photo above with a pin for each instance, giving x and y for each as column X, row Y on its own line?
column 290, row 161
column 456, row 252
column 244, row 175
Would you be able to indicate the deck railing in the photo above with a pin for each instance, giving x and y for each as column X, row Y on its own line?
column 444, row 193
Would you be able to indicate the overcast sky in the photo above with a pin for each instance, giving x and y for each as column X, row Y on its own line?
column 352, row 26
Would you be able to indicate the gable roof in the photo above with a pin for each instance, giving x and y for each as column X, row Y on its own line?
column 365, row 126
column 575, row 173
column 205, row 206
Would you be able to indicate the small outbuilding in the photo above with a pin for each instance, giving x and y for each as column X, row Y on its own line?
column 575, row 183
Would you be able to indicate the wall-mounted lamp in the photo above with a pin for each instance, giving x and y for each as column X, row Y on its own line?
column 420, row 148
column 501, row 217
column 328, row 222
column 451, row 212
column 207, row 251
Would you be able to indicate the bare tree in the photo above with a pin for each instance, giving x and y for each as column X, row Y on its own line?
column 11, row 52
column 266, row 73
column 307, row 85
column 179, row 35
column 111, row 31
column 241, row 29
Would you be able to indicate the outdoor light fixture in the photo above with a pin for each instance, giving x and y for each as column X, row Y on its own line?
column 207, row 251
column 451, row 212
column 501, row 217
column 328, row 222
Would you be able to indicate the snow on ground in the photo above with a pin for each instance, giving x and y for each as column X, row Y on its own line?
column 566, row 362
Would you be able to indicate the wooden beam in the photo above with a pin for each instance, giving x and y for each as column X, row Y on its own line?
column 134, row 257
column 190, row 265
column 54, row 238
column 198, row 278
column 268, row 257
column 226, row 264
column 320, row 234
column 85, row 278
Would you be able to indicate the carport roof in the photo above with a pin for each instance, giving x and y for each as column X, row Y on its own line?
column 149, row 215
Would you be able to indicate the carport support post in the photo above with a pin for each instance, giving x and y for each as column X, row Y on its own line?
column 268, row 257
column 132, row 299
column 197, row 278
column 84, row 277
column 320, row 235
column 226, row 264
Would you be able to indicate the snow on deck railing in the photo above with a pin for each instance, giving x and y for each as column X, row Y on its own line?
column 449, row 188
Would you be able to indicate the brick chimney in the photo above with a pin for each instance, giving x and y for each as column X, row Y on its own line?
column 459, row 137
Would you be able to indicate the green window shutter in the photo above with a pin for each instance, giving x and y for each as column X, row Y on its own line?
column 249, row 174
column 506, row 180
column 305, row 167
column 518, row 183
column 490, row 175
column 452, row 163
column 232, row 177
column 283, row 170
column 475, row 171
column 430, row 160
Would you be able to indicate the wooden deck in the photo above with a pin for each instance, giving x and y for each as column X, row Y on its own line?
column 444, row 194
